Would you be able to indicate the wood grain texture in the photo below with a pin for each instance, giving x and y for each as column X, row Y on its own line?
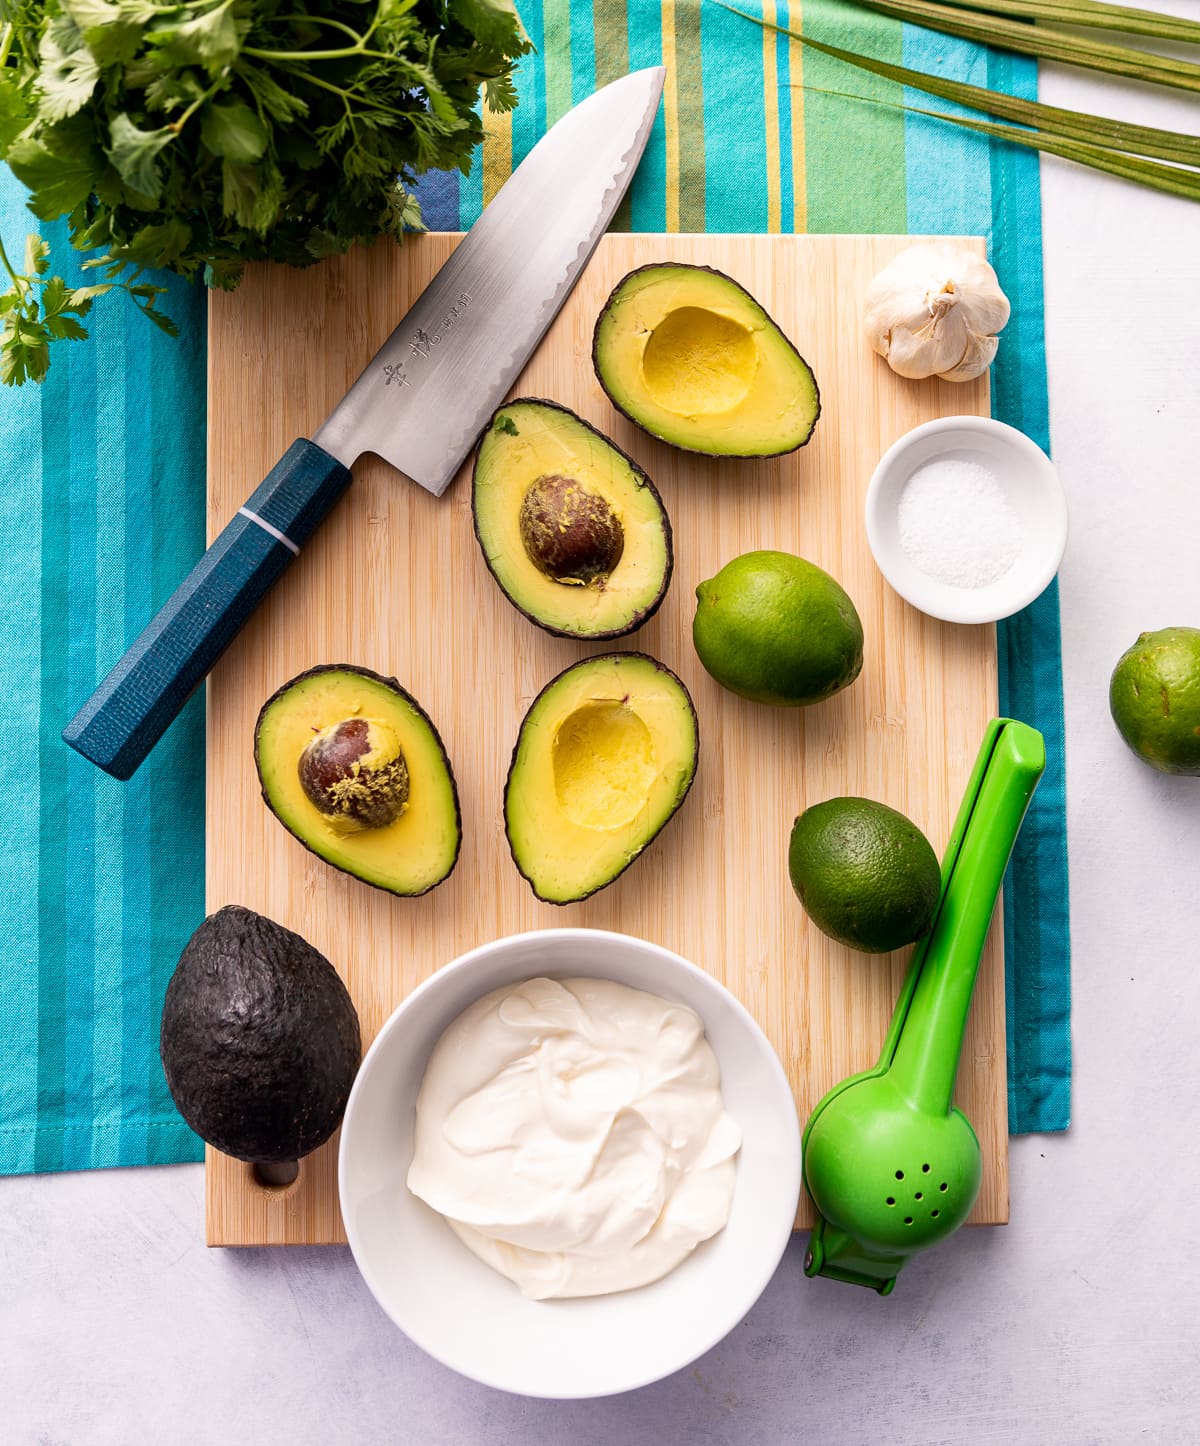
column 395, row 581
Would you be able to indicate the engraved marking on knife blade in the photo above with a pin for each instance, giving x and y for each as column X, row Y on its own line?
column 266, row 527
column 422, row 342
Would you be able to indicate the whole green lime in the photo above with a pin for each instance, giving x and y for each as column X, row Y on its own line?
column 866, row 874
column 775, row 628
column 1154, row 697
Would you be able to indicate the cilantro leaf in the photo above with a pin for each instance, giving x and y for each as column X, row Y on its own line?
column 231, row 129
column 37, row 255
column 14, row 110
column 204, row 135
column 492, row 21
column 156, row 245
column 59, row 169
column 67, row 78
column 134, row 154
column 210, row 39
column 63, row 327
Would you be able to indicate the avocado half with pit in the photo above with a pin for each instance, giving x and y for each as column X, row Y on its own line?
column 352, row 766
column 693, row 359
column 570, row 527
column 605, row 756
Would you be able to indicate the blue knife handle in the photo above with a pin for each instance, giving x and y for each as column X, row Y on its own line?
column 133, row 707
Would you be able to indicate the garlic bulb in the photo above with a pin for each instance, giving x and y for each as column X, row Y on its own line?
column 934, row 310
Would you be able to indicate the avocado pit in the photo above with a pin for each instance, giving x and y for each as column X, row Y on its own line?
column 355, row 773
column 570, row 534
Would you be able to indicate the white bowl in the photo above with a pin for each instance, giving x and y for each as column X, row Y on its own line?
column 1029, row 482
column 477, row 1322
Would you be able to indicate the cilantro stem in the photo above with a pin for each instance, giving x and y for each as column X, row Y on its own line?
column 6, row 43
column 303, row 76
column 18, row 281
column 178, row 124
column 344, row 54
column 321, row 20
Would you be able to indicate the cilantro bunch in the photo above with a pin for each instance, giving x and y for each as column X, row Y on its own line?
column 202, row 135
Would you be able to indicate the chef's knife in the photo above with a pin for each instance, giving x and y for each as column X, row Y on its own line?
column 420, row 404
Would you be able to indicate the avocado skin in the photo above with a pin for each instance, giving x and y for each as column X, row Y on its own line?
column 260, row 1040
column 670, row 441
column 644, row 614
column 512, row 762
column 416, row 707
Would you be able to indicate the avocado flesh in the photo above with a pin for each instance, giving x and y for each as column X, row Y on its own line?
column 605, row 756
column 693, row 359
column 535, row 455
column 408, row 855
column 260, row 1040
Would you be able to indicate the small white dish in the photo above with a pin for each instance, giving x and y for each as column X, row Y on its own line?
column 1030, row 484
column 475, row 1321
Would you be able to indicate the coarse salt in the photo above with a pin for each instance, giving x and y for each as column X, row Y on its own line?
column 957, row 525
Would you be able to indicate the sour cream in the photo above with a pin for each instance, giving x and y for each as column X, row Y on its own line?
column 573, row 1134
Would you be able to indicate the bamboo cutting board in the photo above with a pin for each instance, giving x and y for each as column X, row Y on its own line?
column 395, row 581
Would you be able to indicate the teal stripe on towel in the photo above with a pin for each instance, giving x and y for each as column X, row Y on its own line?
column 175, row 771
column 1036, row 901
column 647, row 194
column 112, row 455
column 52, row 998
column 78, row 892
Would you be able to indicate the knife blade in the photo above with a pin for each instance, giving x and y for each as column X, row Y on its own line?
column 420, row 404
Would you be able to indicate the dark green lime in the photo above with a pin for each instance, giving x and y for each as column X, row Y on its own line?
column 867, row 875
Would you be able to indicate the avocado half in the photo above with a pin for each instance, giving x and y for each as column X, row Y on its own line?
column 689, row 356
column 352, row 766
column 606, row 754
column 260, row 1040
column 570, row 527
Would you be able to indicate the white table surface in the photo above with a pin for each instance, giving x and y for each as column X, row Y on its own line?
column 1075, row 1324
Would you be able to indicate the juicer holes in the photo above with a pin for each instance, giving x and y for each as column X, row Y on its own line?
column 908, row 1220
column 924, row 1169
column 891, row 1199
column 935, row 1213
column 917, row 1196
column 899, row 1174
column 943, row 1187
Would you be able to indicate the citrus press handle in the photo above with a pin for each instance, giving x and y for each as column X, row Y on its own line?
column 929, row 1042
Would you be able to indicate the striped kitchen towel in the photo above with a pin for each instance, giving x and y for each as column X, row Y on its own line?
column 103, row 510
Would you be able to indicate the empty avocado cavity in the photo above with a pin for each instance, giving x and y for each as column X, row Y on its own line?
column 605, row 756
column 693, row 359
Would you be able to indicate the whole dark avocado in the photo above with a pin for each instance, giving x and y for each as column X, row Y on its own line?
column 570, row 527
column 260, row 1040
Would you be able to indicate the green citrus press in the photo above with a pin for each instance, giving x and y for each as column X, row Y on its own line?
column 891, row 1166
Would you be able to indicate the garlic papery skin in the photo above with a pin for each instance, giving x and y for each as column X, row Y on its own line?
column 934, row 311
